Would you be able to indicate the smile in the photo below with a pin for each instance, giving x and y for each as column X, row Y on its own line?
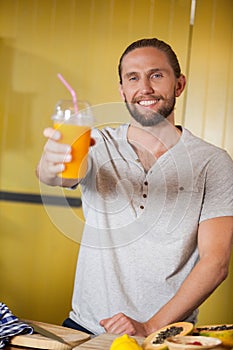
column 147, row 102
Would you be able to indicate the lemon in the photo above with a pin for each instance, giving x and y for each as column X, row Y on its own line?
column 125, row 343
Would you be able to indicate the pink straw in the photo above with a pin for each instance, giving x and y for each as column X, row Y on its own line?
column 71, row 90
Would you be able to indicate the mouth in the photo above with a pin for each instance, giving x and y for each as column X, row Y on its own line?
column 148, row 103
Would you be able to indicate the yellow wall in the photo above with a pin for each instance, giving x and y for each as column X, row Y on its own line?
column 83, row 40
column 209, row 109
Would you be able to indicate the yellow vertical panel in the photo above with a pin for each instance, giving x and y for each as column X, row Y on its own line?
column 37, row 264
column 209, row 110
column 198, row 77
column 220, row 51
column 218, row 308
column 228, row 140
column 209, row 69
column 10, row 10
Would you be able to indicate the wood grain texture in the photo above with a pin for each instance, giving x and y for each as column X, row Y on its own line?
column 70, row 336
column 102, row 342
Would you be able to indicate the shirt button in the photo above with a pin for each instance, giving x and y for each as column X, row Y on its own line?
column 145, row 183
column 144, row 195
column 141, row 207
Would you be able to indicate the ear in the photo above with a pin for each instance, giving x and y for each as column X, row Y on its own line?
column 180, row 85
column 121, row 92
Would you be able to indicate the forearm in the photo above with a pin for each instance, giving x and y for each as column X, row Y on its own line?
column 201, row 282
column 215, row 237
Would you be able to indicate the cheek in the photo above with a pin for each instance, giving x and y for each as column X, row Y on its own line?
column 121, row 91
column 169, row 91
column 128, row 91
column 126, row 95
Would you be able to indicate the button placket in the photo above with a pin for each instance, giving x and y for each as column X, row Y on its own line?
column 144, row 194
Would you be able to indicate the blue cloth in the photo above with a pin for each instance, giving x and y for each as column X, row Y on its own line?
column 71, row 324
column 10, row 325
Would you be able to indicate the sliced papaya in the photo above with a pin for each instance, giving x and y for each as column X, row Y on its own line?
column 156, row 340
column 222, row 331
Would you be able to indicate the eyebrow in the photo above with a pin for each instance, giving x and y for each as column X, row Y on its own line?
column 149, row 72
column 127, row 75
column 154, row 70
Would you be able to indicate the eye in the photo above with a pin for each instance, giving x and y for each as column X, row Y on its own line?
column 133, row 78
column 156, row 75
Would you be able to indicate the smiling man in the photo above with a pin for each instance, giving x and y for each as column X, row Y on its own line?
column 158, row 207
column 149, row 87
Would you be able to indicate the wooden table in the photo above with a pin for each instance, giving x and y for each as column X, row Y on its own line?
column 78, row 340
column 102, row 342
column 68, row 337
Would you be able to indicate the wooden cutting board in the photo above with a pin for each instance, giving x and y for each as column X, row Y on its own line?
column 102, row 342
column 70, row 336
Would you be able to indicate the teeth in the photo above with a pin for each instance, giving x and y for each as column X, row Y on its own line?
column 147, row 103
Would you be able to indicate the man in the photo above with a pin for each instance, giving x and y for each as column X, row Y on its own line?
column 158, row 204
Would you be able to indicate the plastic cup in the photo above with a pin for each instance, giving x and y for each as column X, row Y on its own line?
column 75, row 128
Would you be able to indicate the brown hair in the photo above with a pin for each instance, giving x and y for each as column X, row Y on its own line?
column 158, row 44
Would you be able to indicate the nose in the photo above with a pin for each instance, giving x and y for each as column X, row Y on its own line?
column 146, row 86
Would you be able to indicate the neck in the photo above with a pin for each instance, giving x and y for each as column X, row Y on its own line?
column 156, row 139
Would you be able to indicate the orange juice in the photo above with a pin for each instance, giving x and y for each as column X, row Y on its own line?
column 78, row 137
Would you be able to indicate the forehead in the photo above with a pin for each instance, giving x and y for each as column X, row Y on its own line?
column 144, row 58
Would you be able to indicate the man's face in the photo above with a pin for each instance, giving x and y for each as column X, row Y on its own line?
column 149, row 86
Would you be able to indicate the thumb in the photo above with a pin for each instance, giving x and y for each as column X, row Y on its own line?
column 103, row 321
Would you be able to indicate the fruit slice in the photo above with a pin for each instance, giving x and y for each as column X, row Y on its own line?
column 155, row 341
column 222, row 331
column 194, row 343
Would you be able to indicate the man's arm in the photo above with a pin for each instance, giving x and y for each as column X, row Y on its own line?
column 53, row 161
column 215, row 238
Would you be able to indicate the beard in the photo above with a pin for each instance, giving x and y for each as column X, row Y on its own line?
column 149, row 117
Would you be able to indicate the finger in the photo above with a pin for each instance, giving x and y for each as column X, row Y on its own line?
column 54, row 169
column 117, row 329
column 58, row 157
column 110, row 320
column 107, row 324
column 56, row 147
column 51, row 169
column 117, row 324
column 122, row 325
column 104, row 322
column 52, row 134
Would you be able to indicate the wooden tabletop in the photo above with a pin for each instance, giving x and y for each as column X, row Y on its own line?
column 102, row 342
column 65, row 338
column 77, row 340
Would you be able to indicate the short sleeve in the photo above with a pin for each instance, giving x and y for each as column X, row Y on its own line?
column 218, row 194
